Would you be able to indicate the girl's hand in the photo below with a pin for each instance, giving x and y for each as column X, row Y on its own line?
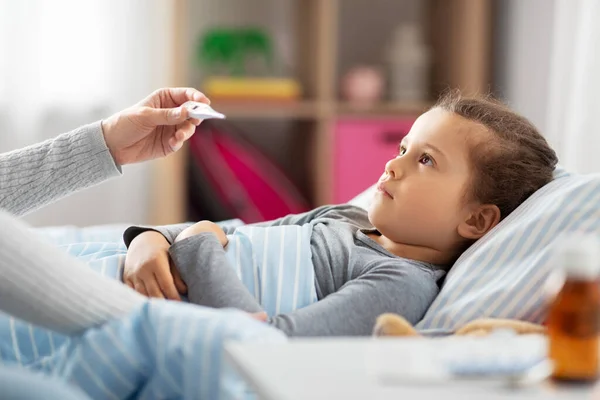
column 148, row 268
column 201, row 227
column 261, row 316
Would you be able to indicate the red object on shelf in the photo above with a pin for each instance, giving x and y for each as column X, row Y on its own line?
column 243, row 180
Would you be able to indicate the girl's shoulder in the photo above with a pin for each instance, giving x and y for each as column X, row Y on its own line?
column 348, row 213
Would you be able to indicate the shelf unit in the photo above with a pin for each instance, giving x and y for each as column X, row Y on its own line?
column 312, row 110
column 460, row 36
column 254, row 110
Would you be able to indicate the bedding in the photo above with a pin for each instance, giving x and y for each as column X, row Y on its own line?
column 279, row 289
column 163, row 350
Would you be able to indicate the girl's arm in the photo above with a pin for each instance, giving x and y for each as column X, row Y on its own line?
column 210, row 280
column 353, row 310
column 148, row 269
column 157, row 269
column 170, row 232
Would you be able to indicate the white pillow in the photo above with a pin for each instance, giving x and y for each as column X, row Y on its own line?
column 363, row 200
column 503, row 274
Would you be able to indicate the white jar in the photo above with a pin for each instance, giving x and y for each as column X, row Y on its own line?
column 409, row 60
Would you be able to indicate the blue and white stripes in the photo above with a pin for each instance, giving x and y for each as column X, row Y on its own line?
column 23, row 343
column 164, row 350
column 275, row 263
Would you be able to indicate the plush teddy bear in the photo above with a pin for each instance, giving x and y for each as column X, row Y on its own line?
column 395, row 325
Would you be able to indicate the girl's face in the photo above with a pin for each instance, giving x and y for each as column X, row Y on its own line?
column 421, row 198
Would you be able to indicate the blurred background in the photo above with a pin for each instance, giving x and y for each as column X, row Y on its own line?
column 318, row 93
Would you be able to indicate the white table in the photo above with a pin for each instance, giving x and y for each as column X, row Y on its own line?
column 346, row 369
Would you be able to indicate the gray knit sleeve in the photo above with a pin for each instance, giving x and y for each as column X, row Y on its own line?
column 45, row 286
column 210, row 280
column 42, row 173
column 170, row 232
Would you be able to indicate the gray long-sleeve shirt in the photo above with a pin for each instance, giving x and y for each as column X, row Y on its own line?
column 38, row 282
column 356, row 279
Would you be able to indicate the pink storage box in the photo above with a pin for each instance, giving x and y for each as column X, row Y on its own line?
column 361, row 149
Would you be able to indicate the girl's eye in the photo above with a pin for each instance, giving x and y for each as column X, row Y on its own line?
column 426, row 160
column 401, row 150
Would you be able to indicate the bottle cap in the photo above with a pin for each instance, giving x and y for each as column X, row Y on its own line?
column 580, row 256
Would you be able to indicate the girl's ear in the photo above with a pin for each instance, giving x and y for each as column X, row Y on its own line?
column 479, row 222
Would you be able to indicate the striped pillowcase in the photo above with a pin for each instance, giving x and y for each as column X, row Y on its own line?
column 503, row 275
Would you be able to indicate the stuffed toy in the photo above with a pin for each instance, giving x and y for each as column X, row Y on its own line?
column 395, row 325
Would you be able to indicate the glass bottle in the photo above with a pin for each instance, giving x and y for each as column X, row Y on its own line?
column 574, row 315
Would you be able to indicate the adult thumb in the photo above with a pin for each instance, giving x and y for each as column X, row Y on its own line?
column 167, row 116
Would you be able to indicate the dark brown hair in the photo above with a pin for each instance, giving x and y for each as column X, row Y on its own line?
column 511, row 167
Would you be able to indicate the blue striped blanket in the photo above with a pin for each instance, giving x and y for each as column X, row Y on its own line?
column 274, row 263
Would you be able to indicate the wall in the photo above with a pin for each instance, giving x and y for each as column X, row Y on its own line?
column 522, row 57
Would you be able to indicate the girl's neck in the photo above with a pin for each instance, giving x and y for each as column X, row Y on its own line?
column 418, row 253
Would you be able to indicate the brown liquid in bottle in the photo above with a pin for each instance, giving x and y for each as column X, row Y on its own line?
column 574, row 331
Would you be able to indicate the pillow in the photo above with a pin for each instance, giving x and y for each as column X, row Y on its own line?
column 504, row 273
column 363, row 200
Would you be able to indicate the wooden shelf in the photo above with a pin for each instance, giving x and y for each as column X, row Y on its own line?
column 314, row 110
column 459, row 33
column 265, row 109
column 382, row 109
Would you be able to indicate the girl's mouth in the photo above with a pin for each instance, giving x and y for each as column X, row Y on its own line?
column 381, row 188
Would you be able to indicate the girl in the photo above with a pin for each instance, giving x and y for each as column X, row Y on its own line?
column 464, row 166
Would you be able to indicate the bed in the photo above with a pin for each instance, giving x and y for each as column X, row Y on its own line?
column 501, row 276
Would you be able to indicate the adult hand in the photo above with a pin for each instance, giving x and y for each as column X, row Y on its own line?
column 155, row 127
column 148, row 269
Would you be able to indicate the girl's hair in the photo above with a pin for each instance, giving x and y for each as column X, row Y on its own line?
column 511, row 167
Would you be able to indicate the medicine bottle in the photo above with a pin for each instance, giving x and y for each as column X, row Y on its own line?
column 574, row 315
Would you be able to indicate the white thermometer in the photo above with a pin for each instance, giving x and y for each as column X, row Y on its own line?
column 202, row 111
